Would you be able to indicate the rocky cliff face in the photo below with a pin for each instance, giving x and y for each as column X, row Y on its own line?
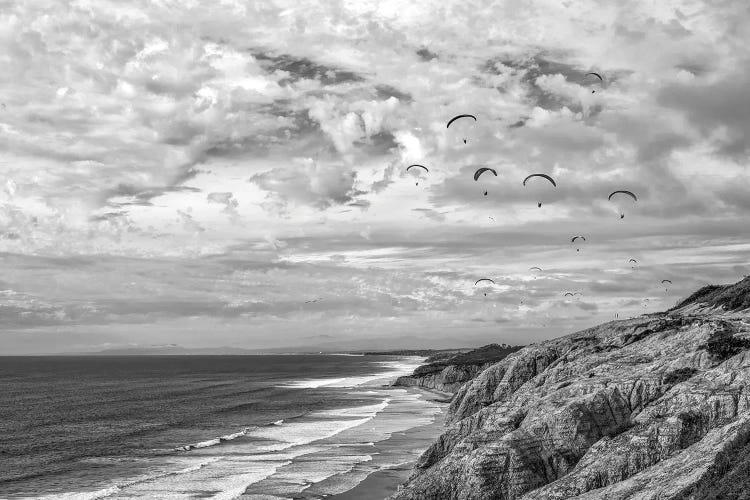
column 656, row 407
column 448, row 379
column 449, row 374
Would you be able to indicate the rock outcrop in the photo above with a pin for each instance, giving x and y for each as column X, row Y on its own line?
column 655, row 407
column 449, row 374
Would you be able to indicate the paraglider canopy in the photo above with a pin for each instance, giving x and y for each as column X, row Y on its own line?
column 544, row 176
column 625, row 193
column 417, row 166
column 597, row 75
column 458, row 117
column 483, row 279
column 574, row 238
column 482, row 170
column 635, row 198
column 540, row 175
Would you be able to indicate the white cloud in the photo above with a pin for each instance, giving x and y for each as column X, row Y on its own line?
column 116, row 119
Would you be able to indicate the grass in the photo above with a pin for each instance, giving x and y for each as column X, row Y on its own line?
column 486, row 354
column 729, row 297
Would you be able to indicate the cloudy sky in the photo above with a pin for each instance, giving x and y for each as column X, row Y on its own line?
column 221, row 173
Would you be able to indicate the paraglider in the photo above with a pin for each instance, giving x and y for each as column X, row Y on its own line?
column 535, row 268
column 666, row 281
column 635, row 262
column 482, row 170
column 544, row 176
column 419, row 166
column 573, row 240
column 627, row 193
column 567, row 294
column 457, row 117
column 483, row 279
column 596, row 75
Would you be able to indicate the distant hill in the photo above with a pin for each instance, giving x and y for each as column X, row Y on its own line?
column 178, row 350
column 429, row 353
column 169, row 350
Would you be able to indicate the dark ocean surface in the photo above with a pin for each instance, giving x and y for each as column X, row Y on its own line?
column 222, row 427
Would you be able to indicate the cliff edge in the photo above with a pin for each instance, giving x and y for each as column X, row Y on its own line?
column 655, row 407
column 448, row 374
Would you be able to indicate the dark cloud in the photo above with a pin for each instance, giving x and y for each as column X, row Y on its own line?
column 108, row 216
column 426, row 55
column 359, row 204
column 722, row 103
column 430, row 214
column 299, row 68
column 143, row 195
column 227, row 199
column 384, row 92
column 378, row 144
column 387, row 180
column 528, row 69
column 316, row 184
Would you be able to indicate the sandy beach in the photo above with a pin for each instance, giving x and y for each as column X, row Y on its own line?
column 382, row 483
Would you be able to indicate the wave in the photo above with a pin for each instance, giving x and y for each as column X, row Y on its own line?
column 83, row 495
column 215, row 441
column 394, row 369
column 356, row 411
column 303, row 433
column 117, row 488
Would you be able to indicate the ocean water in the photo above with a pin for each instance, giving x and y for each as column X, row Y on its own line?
column 218, row 427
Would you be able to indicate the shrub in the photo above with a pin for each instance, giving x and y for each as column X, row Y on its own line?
column 679, row 375
column 723, row 344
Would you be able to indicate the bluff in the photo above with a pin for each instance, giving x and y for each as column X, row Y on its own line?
column 654, row 407
column 449, row 373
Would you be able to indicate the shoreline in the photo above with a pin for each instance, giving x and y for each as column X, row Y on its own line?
column 384, row 482
column 329, row 449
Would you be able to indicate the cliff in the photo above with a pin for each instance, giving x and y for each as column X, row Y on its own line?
column 656, row 407
column 447, row 374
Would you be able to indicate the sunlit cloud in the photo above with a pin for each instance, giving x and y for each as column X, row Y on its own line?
column 226, row 163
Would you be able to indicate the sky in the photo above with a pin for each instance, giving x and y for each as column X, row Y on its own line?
column 222, row 173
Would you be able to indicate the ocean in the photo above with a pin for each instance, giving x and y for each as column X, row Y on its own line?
column 221, row 427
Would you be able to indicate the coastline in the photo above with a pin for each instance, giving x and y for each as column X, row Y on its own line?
column 382, row 483
column 373, row 434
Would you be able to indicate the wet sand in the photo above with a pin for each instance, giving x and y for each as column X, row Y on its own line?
column 385, row 482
